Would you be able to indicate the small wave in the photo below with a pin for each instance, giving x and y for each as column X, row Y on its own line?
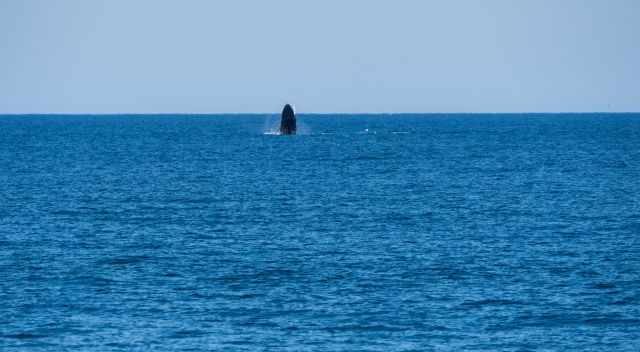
column 183, row 334
column 25, row 336
column 604, row 286
column 490, row 302
column 125, row 260
column 66, row 212
column 365, row 328
column 612, row 321
column 626, row 301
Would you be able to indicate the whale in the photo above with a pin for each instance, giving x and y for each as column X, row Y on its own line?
column 288, row 121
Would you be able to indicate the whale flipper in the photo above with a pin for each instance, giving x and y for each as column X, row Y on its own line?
column 288, row 121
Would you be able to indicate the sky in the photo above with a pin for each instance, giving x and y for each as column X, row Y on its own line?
column 351, row 56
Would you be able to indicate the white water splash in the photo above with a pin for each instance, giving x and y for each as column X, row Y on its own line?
column 272, row 126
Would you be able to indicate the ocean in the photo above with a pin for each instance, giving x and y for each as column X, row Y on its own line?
column 436, row 232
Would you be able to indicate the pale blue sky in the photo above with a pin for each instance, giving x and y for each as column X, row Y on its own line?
column 75, row 56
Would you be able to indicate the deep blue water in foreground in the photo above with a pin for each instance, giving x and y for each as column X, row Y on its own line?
column 364, row 233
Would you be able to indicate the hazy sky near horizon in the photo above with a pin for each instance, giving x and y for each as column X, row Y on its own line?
column 76, row 56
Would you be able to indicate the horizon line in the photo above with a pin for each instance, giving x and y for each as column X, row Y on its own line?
column 313, row 113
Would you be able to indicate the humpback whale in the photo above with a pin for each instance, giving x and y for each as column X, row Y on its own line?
column 288, row 121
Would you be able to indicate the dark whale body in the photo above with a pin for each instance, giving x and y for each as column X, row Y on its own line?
column 288, row 121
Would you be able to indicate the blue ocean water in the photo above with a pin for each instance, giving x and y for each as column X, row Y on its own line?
column 363, row 233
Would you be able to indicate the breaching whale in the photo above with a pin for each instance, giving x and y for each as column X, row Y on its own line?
column 288, row 121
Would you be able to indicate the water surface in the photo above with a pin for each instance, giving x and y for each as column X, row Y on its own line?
column 368, row 233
